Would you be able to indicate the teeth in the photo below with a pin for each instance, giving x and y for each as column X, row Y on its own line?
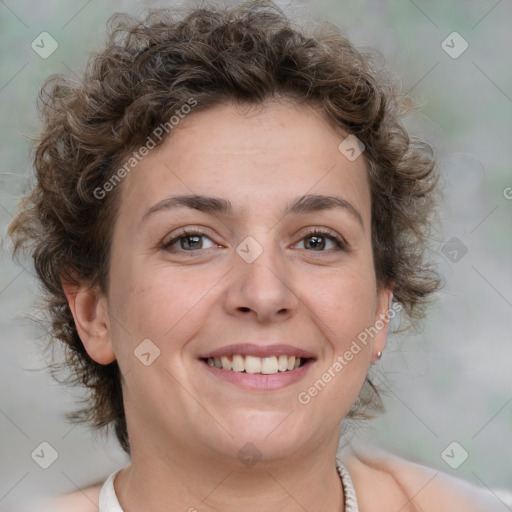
column 226, row 363
column 269, row 365
column 251, row 364
column 238, row 364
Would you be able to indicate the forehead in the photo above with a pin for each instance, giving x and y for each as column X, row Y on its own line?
column 264, row 156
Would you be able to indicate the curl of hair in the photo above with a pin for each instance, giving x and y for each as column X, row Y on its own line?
column 150, row 68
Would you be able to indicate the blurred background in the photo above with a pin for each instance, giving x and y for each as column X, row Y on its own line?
column 448, row 387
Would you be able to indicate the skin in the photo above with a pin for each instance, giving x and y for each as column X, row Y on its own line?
column 187, row 427
column 395, row 483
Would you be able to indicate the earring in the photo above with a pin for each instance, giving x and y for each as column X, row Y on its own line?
column 379, row 354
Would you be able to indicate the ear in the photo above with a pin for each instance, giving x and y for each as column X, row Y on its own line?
column 89, row 309
column 381, row 321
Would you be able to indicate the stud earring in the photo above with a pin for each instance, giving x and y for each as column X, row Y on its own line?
column 379, row 354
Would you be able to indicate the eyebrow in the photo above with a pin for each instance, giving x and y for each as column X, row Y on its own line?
column 305, row 204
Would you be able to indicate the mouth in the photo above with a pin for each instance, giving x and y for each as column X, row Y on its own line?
column 258, row 367
column 269, row 365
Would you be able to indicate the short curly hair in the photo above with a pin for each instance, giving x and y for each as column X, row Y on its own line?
column 149, row 68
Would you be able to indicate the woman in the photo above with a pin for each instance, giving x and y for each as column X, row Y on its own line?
column 227, row 215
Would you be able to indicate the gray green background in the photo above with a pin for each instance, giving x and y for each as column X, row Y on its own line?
column 451, row 381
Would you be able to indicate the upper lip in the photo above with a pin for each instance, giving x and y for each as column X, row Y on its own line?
column 250, row 349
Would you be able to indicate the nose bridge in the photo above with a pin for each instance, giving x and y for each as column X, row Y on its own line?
column 262, row 284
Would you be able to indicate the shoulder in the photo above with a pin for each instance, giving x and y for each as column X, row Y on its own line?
column 85, row 500
column 397, row 484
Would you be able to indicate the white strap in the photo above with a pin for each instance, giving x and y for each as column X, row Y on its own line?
column 348, row 488
column 108, row 498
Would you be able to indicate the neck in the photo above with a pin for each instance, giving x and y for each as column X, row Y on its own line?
column 198, row 483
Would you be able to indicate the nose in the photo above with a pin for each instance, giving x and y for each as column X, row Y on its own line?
column 262, row 289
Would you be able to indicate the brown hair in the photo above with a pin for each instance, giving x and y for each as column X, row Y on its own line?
column 151, row 67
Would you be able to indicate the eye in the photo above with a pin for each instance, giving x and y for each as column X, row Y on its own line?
column 189, row 240
column 317, row 240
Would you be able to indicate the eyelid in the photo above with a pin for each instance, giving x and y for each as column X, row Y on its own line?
column 322, row 232
column 326, row 233
column 183, row 232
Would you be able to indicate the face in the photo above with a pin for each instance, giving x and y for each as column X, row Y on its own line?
column 211, row 308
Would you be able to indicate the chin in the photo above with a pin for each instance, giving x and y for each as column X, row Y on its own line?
column 263, row 435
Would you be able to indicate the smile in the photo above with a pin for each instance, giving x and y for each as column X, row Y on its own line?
column 258, row 373
column 252, row 364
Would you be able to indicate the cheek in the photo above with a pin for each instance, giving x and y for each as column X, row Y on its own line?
column 345, row 305
column 161, row 306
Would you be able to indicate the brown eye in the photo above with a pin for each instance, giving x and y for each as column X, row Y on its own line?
column 317, row 241
column 189, row 240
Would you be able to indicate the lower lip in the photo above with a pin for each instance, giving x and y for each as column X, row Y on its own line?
column 258, row 381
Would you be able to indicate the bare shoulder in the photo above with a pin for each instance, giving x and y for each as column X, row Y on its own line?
column 86, row 500
column 397, row 484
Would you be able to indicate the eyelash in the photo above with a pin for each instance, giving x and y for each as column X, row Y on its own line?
column 315, row 232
